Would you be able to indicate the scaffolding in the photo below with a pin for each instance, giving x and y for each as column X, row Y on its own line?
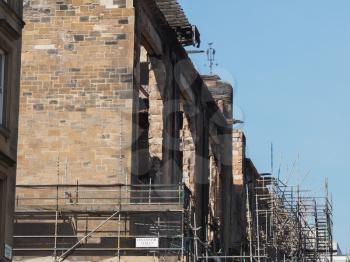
column 107, row 220
column 285, row 223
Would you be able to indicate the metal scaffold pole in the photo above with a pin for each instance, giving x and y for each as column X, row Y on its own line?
column 94, row 204
column 249, row 220
column 55, row 241
column 257, row 227
column 290, row 225
column 66, row 253
column 119, row 231
column 283, row 222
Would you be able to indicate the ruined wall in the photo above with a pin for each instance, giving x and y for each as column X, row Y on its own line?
column 162, row 98
column 156, row 129
column 238, row 157
column 151, row 120
column 245, row 177
column 222, row 93
column 188, row 153
column 220, row 188
column 238, row 210
column 81, row 87
column 76, row 92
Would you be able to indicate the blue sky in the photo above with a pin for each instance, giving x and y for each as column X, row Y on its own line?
column 290, row 62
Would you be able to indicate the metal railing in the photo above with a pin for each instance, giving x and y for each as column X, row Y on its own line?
column 115, row 233
column 98, row 195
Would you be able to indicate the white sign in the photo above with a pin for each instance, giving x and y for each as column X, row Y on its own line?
column 8, row 251
column 147, row 242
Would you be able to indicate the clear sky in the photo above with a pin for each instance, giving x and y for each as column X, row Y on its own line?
column 290, row 62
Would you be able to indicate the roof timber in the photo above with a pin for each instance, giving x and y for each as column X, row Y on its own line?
column 172, row 9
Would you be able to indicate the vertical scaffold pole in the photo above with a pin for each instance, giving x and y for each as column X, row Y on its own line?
column 257, row 225
column 119, row 237
column 249, row 219
column 183, row 226
column 195, row 238
column 150, row 191
column 55, row 247
column 56, row 215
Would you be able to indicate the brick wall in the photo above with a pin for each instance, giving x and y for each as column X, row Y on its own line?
column 76, row 92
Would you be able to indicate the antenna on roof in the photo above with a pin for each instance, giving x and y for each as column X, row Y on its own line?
column 271, row 155
column 211, row 52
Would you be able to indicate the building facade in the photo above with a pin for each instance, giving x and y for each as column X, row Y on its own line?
column 126, row 153
column 128, row 134
column 11, row 25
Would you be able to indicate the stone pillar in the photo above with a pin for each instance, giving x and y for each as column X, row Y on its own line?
column 238, row 203
column 238, row 149
column 168, row 112
column 156, row 121
column 201, row 177
column 188, row 153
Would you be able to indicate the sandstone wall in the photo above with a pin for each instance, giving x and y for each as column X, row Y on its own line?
column 222, row 93
column 238, row 157
column 238, row 196
column 76, row 92
column 81, row 86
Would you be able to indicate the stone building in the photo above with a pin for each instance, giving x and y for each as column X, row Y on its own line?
column 127, row 132
column 10, row 51
column 245, row 180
